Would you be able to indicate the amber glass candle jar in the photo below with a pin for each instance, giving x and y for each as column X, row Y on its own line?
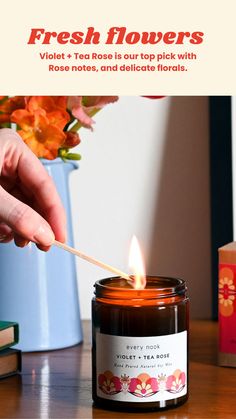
column 140, row 344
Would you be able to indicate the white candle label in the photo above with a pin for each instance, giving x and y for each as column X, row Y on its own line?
column 141, row 369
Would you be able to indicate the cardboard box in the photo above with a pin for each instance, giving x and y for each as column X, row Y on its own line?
column 227, row 305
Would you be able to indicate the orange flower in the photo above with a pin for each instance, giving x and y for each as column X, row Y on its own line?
column 72, row 139
column 54, row 106
column 42, row 123
column 49, row 124
column 48, row 103
column 10, row 105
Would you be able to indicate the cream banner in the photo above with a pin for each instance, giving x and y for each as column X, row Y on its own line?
column 127, row 47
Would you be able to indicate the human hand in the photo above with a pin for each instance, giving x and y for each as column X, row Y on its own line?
column 30, row 208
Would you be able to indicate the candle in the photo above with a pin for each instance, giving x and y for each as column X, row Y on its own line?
column 139, row 346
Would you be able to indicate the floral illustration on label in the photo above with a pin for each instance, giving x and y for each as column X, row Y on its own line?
column 143, row 385
column 227, row 291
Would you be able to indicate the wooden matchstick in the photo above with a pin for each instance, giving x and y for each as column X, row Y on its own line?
column 92, row 260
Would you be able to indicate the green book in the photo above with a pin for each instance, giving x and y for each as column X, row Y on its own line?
column 10, row 362
column 9, row 334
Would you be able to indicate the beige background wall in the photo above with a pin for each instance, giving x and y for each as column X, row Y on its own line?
column 145, row 170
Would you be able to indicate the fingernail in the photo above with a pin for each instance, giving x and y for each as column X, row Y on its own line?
column 22, row 243
column 44, row 236
column 2, row 237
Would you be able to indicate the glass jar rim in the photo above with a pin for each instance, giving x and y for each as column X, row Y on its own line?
column 158, row 287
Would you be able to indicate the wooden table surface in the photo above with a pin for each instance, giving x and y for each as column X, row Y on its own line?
column 57, row 384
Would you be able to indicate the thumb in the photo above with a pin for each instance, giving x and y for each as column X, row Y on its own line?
column 24, row 221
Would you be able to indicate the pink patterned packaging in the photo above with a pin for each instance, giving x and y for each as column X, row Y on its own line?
column 227, row 305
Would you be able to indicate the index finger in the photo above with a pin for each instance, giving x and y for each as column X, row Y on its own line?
column 35, row 177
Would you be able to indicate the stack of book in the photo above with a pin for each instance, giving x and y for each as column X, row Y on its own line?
column 10, row 358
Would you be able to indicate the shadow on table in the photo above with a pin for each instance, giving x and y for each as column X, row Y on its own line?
column 98, row 413
column 203, row 339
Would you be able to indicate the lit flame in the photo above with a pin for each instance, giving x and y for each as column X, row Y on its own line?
column 136, row 263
